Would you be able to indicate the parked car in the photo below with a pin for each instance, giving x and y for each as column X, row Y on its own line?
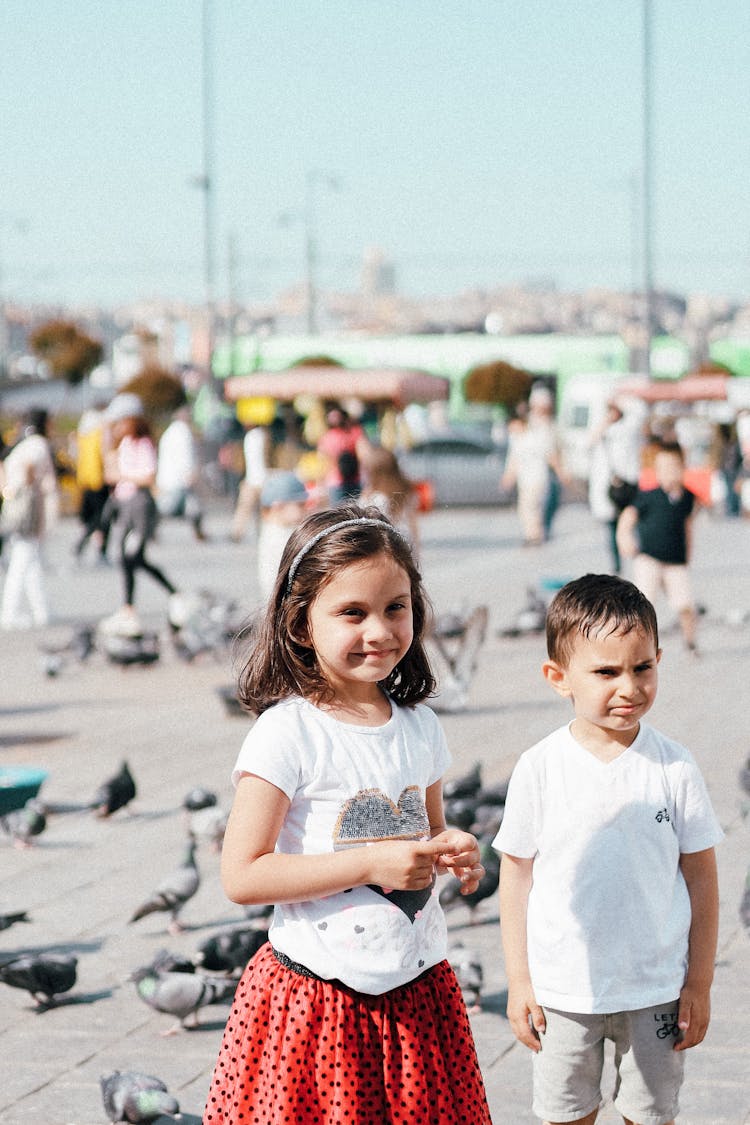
column 462, row 470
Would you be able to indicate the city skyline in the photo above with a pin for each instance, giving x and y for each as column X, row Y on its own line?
column 476, row 145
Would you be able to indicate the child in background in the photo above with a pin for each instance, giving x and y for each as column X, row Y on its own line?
column 656, row 531
column 608, row 888
column 392, row 492
column 283, row 501
column 351, row 1012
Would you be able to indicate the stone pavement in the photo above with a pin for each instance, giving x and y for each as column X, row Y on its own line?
column 84, row 877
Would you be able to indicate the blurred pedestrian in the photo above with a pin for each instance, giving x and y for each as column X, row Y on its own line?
column 534, row 466
column 728, row 461
column 177, row 473
column 135, row 474
column 91, row 480
column 614, row 469
column 343, row 445
column 30, row 500
column 256, row 452
column 283, row 506
column 656, row 531
column 388, row 488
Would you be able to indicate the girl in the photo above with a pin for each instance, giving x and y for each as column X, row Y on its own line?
column 135, row 462
column 351, row 1013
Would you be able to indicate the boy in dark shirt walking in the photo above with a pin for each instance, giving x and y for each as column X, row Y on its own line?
column 656, row 532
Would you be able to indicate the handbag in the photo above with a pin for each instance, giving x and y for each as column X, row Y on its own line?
column 23, row 512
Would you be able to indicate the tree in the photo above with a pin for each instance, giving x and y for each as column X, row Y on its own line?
column 68, row 353
column 159, row 390
column 498, row 382
column 316, row 361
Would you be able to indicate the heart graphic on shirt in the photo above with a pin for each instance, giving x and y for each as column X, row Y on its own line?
column 409, row 902
column 370, row 815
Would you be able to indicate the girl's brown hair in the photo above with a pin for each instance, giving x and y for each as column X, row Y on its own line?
column 281, row 662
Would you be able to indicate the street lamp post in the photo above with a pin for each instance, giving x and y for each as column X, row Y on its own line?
column 313, row 180
column 648, row 278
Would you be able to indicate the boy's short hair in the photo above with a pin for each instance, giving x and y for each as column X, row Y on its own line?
column 672, row 447
column 587, row 604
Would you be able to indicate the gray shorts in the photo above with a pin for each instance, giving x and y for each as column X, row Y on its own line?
column 568, row 1068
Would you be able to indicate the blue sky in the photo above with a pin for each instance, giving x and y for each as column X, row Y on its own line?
column 477, row 143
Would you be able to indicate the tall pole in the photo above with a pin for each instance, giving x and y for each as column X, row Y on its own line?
column 207, row 182
column 311, row 261
column 648, row 276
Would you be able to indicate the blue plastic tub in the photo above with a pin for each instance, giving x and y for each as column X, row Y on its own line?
column 17, row 785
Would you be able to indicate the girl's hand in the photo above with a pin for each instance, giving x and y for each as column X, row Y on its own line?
column 403, row 865
column 461, row 857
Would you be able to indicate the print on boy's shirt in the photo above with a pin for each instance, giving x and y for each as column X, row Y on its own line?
column 371, row 815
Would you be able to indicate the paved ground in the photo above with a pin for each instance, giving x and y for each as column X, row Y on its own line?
column 84, row 877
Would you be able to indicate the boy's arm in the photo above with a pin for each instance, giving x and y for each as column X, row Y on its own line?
column 627, row 540
column 515, row 884
column 699, row 870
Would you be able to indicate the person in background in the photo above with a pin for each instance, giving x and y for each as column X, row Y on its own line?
column 608, row 885
column 728, row 460
column 283, row 506
column 256, row 452
column 28, row 471
column 91, row 480
column 135, row 463
column 177, row 473
column 351, row 1011
column 615, row 466
column 534, row 466
column 344, row 444
column 656, row 531
column 386, row 486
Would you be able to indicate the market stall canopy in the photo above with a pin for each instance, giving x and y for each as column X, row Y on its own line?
column 693, row 388
column 396, row 385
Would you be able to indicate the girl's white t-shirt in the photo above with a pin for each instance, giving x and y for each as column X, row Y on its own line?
column 350, row 786
column 608, row 911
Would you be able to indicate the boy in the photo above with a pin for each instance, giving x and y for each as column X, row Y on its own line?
column 656, row 532
column 608, row 889
column 283, row 505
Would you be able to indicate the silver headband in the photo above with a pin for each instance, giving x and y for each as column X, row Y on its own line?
column 361, row 521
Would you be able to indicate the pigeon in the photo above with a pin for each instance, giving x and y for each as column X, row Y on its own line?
column 487, row 820
column 44, row 975
column 745, row 905
column 25, row 823
column 209, row 824
column 531, row 619
column 450, row 895
column 744, row 777
column 228, row 950
column 114, row 793
column 8, row 920
column 173, row 891
column 199, row 798
column 469, row 973
column 466, row 786
column 181, row 994
column 164, row 961
column 131, row 1096
column 460, row 812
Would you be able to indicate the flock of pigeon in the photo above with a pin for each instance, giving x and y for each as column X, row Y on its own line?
column 181, row 986
column 171, row 984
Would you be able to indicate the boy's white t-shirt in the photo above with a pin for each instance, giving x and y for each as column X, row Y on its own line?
column 350, row 785
column 608, row 912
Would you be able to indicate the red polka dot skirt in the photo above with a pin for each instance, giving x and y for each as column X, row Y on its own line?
column 309, row 1052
